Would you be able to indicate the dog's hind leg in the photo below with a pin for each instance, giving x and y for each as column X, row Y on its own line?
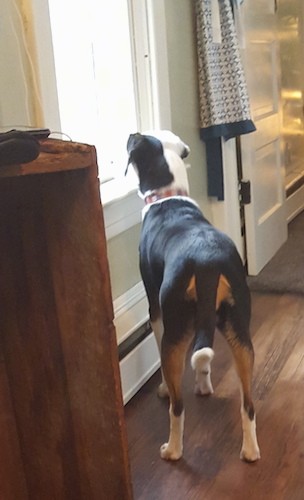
column 177, row 316
column 158, row 330
column 156, row 321
column 243, row 356
column 238, row 338
column 173, row 362
column 205, row 327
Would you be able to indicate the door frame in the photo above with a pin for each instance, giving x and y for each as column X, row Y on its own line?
column 226, row 214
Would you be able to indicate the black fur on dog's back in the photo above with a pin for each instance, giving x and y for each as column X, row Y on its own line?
column 173, row 249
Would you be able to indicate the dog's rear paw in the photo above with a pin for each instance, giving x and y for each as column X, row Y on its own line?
column 162, row 390
column 170, row 454
column 203, row 388
column 250, row 455
column 201, row 363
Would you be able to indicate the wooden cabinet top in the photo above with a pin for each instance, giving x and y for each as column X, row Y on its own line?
column 55, row 156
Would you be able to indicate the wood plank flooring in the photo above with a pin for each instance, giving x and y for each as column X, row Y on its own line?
column 210, row 468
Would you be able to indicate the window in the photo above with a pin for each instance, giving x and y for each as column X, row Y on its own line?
column 102, row 65
column 65, row 41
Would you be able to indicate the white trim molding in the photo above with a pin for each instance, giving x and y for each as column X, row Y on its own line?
column 294, row 204
column 122, row 213
column 159, row 64
column 226, row 214
column 130, row 312
column 138, row 366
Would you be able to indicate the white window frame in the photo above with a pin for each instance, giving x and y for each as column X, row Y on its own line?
column 122, row 209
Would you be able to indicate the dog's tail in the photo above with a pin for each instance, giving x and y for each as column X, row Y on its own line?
column 206, row 282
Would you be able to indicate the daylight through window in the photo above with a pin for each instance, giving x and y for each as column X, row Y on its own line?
column 102, row 96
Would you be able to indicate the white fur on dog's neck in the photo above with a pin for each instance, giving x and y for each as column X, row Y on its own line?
column 147, row 207
column 178, row 169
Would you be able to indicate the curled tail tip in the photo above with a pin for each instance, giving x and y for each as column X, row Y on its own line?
column 202, row 356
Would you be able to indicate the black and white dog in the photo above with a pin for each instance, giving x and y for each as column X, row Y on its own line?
column 195, row 282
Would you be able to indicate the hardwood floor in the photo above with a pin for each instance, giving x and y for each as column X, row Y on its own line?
column 210, row 468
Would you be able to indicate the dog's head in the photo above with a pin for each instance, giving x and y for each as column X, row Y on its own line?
column 157, row 160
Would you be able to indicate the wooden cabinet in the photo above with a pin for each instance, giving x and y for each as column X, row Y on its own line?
column 61, row 413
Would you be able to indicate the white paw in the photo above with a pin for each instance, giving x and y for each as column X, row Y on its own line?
column 168, row 453
column 250, row 455
column 201, row 363
column 162, row 390
column 250, row 449
column 201, row 359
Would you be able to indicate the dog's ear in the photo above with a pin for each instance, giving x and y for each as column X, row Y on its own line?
column 133, row 144
column 146, row 154
column 127, row 167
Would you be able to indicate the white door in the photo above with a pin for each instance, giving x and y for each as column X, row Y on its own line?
column 262, row 159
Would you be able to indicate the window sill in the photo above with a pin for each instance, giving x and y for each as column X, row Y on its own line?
column 121, row 207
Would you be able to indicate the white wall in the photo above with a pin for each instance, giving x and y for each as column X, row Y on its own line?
column 182, row 59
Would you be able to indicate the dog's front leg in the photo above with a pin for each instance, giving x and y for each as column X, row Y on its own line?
column 158, row 330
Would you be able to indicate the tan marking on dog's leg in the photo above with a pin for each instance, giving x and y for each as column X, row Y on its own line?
column 223, row 292
column 201, row 364
column 173, row 359
column 244, row 358
column 173, row 450
column 158, row 330
column 191, row 289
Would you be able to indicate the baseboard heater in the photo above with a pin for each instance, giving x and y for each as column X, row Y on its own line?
column 134, row 340
column 138, row 360
column 294, row 186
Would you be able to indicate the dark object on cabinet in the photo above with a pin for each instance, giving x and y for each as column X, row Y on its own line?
column 18, row 146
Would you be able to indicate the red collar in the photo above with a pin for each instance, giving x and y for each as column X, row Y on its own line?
column 167, row 193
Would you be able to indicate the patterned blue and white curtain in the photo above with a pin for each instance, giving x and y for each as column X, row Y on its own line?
column 224, row 101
